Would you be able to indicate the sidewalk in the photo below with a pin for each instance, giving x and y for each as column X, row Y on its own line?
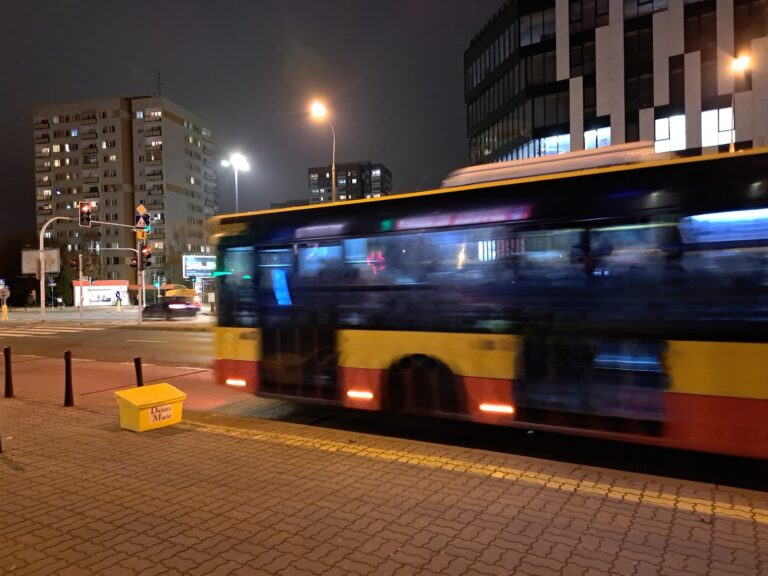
column 220, row 495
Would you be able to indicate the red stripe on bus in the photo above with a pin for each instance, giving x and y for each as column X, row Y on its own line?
column 726, row 425
column 359, row 381
column 237, row 370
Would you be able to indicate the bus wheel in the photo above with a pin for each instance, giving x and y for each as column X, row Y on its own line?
column 422, row 384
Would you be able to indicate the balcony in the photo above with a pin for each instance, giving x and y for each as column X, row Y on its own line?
column 90, row 149
column 154, row 131
column 91, row 193
column 44, row 211
column 43, row 155
column 154, row 148
column 92, row 135
column 43, row 197
column 155, row 191
column 209, row 177
column 155, row 205
column 154, row 176
column 88, row 120
column 42, row 168
column 42, row 139
column 42, row 126
column 148, row 118
column 209, row 202
column 90, row 180
column 207, row 150
column 43, row 182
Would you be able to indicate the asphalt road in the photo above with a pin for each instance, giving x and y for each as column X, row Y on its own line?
column 110, row 336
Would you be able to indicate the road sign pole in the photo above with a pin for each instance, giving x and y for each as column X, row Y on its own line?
column 80, row 300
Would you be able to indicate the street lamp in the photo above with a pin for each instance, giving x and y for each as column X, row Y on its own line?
column 738, row 65
column 318, row 112
column 239, row 164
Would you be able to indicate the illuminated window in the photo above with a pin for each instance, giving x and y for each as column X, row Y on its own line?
column 597, row 138
column 67, row 148
column 57, row 162
column 57, row 148
column 75, row 132
column 717, row 127
column 139, row 114
column 670, row 134
column 113, row 157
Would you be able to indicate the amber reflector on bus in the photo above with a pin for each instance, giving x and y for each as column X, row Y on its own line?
column 235, row 382
column 360, row 394
column 497, row 408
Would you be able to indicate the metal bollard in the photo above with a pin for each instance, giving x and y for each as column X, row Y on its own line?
column 68, row 399
column 139, row 375
column 8, row 373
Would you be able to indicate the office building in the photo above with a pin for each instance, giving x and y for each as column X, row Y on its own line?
column 115, row 154
column 549, row 76
column 354, row 180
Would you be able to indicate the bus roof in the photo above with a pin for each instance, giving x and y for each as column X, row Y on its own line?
column 568, row 169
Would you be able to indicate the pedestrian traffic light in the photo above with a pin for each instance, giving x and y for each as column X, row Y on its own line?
column 146, row 256
column 85, row 214
column 134, row 262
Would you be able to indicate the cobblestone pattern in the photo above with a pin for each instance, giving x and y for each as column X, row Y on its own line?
column 220, row 495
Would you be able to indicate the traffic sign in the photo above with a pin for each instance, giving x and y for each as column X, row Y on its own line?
column 5, row 293
column 141, row 234
column 142, row 221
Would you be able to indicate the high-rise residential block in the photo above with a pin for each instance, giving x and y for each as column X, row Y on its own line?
column 118, row 153
column 354, row 180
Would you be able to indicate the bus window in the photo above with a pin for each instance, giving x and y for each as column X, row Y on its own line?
column 235, row 275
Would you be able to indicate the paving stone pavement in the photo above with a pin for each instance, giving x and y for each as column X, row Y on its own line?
column 219, row 495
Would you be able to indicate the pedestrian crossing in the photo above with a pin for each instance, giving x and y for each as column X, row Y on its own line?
column 44, row 331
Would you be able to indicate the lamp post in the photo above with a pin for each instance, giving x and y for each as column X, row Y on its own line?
column 239, row 164
column 318, row 111
column 738, row 65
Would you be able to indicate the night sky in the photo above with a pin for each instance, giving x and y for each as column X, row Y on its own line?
column 390, row 70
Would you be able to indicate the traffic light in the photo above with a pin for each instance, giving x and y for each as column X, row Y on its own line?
column 85, row 214
column 134, row 262
column 73, row 262
column 146, row 256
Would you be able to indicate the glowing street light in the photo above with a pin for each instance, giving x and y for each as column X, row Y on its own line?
column 239, row 164
column 318, row 112
column 738, row 66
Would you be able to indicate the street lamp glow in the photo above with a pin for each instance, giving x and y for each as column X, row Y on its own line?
column 318, row 111
column 741, row 63
column 239, row 163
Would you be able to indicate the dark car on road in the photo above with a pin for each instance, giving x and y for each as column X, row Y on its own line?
column 170, row 308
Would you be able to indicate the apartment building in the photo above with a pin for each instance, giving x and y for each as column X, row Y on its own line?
column 354, row 180
column 117, row 153
column 549, row 76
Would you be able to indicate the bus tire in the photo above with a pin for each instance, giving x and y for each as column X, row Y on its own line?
column 422, row 384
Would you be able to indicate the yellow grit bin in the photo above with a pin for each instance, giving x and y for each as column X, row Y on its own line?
column 149, row 407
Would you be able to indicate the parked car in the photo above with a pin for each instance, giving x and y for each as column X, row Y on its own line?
column 170, row 308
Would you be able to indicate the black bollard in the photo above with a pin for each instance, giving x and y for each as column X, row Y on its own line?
column 68, row 400
column 139, row 376
column 8, row 373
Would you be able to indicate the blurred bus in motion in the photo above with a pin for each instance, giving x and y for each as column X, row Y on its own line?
column 624, row 300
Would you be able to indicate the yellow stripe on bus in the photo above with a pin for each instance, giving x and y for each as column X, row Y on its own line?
column 237, row 344
column 735, row 369
column 476, row 355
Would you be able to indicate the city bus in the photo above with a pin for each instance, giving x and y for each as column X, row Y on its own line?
column 625, row 300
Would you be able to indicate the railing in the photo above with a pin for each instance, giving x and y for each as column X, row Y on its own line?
column 89, row 149
column 42, row 168
column 42, row 126
column 154, row 162
column 209, row 202
column 43, row 197
column 43, row 155
column 154, row 148
column 148, row 118
column 207, row 150
column 154, row 131
column 43, row 182
column 155, row 176
column 91, row 180
column 88, row 120
column 42, row 139
column 44, row 211
column 89, row 135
